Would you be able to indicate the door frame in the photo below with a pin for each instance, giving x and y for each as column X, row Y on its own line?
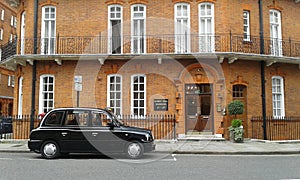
column 211, row 116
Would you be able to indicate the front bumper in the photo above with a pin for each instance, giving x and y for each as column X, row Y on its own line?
column 148, row 147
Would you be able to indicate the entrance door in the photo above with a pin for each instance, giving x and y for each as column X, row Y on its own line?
column 199, row 108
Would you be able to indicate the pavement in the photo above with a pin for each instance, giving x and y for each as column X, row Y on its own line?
column 207, row 146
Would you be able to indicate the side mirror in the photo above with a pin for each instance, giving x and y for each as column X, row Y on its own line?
column 111, row 125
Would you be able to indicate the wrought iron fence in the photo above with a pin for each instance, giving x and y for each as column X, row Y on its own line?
column 162, row 126
column 164, row 43
column 283, row 128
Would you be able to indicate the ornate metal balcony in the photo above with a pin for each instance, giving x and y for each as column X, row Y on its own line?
column 156, row 44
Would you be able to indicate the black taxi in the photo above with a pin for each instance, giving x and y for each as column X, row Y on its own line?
column 88, row 130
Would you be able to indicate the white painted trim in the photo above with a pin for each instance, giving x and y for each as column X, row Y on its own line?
column 132, row 90
column 110, row 28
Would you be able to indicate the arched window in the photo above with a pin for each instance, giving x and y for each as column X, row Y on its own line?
column 206, row 27
column 48, row 30
column 46, row 99
column 239, row 91
column 182, row 27
column 138, row 94
column 115, row 28
column 138, row 28
column 278, row 96
column 114, row 93
column 275, row 33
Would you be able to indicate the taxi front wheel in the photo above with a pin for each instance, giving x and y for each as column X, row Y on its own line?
column 134, row 150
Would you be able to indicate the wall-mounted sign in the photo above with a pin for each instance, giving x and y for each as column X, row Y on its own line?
column 161, row 104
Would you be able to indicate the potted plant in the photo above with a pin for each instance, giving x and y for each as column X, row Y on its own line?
column 236, row 129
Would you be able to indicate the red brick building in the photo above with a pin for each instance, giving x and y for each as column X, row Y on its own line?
column 8, row 24
column 140, row 57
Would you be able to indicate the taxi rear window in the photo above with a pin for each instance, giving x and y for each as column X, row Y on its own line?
column 54, row 119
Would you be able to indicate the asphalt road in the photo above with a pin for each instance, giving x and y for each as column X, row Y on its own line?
column 152, row 166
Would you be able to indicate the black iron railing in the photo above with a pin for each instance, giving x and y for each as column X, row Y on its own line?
column 9, row 49
column 283, row 128
column 167, row 44
column 162, row 126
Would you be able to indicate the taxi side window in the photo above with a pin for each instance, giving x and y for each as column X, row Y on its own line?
column 100, row 119
column 54, row 119
column 77, row 118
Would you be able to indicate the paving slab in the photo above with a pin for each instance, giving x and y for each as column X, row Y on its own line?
column 249, row 146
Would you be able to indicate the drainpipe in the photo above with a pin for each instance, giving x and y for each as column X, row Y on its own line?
column 32, row 115
column 262, row 67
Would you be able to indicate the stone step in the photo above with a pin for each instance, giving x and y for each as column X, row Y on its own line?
column 200, row 137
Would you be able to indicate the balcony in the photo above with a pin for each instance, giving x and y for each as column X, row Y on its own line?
column 175, row 45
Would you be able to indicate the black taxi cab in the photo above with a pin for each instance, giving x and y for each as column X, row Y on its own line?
column 88, row 130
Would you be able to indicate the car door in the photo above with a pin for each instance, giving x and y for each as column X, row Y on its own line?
column 105, row 138
column 75, row 131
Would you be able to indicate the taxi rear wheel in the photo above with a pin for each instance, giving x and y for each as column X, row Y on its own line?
column 50, row 150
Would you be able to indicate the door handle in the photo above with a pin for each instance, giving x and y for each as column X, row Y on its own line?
column 64, row 134
column 94, row 134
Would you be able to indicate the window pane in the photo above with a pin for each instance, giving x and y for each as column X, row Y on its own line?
column 178, row 10
column 135, row 87
column 118, row 87
column 118, row 95
column 50, row 87
column 136, row 103
column 135, row 95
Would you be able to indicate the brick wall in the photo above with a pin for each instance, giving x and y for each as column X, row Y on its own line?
column 89, row 18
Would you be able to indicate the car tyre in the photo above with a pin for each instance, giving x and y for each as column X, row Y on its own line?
column 134, row 150
column 50, row 150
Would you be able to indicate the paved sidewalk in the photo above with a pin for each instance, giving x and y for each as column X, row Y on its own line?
column 194, row 147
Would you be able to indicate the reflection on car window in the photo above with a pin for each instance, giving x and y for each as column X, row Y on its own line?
column 54, row 119
column 77, row 118
column 100, row 118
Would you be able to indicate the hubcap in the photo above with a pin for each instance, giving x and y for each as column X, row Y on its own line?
column 50, row 149
column 134, row 149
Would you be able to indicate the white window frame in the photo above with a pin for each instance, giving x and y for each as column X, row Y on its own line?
column 45, row 108
column 9, row 80
column 2, row 14
column 182, row 32
column 275, row 33
column 1, row 34
column 114, row 91
column 246, row 22
column 12, row 81
column 0, row 54
column 278, row 96
column 12, row 21
column 138, row 99
column 48, row 40
column 15, row 22
column 20, row 97
column 110, row 29
column 206, row 39
column 23, row 20
column 140, row 38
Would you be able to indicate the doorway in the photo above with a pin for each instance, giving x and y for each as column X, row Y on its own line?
column 199, row 108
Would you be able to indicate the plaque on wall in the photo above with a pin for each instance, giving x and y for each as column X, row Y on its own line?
column 161, row 104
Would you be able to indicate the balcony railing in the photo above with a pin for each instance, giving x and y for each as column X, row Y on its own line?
column 151, row 44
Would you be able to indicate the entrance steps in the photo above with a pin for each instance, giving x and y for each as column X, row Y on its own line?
column 200, row 136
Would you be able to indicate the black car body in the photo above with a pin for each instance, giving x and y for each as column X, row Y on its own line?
column 87, row 130
column 5, row 125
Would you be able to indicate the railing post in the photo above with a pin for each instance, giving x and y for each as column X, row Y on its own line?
column 57, row 44
column 174, row 127
column 100, row 42
column 290, row 41
column 230, row 41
